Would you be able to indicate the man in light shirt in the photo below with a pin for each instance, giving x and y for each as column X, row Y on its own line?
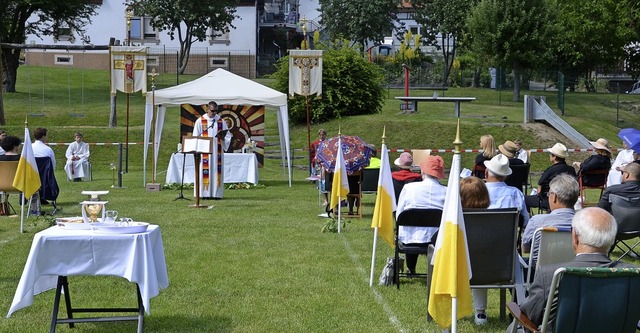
column 40, row 147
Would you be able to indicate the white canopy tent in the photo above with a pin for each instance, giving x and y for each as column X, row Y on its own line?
column 223, row 87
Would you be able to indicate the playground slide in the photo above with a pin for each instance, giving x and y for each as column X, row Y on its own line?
column 542, row 112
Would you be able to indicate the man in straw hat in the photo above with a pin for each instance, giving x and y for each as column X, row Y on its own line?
column 557, row 156
column 601, row 160
column 428, row 193
column 501, row 196
column 510, row 150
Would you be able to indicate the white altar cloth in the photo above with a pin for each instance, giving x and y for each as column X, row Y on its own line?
column 55, row 251
column 238, row 168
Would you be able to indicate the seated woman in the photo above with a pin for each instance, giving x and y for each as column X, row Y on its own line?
column 488, row 146
column 601, row 160
column 404, row 175
column 77, row 158
column 11, row 147
column 474, row 193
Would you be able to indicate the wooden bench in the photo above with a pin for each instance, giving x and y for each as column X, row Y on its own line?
column 413, row 100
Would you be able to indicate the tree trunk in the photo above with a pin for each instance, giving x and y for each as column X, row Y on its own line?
column 113, row 119
column 3, row 121
column 516, row 83
column 10, row 62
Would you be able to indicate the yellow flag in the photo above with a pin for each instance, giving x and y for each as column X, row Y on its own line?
column 451, row 267
column 385, row 200
column 27, row 178
column 340, row 185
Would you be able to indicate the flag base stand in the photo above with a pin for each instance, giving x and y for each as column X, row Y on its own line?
column 198, row 206
column 153, row 187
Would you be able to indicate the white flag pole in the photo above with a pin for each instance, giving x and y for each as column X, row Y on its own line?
column 22, row 213
column 454, row 314
column 373, row 255
column 339, row 205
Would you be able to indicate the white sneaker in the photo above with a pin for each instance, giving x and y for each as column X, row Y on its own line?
column 480, row 318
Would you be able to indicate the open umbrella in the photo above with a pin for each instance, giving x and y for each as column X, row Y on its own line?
column 631, row 137
column 356, row 153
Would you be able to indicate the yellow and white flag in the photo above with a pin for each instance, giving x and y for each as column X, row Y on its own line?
column 27, row 178
column 128, row 69
column 385, row 200
column 340, row 185
column 451, row 267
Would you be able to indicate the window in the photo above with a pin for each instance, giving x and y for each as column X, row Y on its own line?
column 63, row 60
column 218, row 62
column 64, row 33
column 141, row 29
column 218, row 37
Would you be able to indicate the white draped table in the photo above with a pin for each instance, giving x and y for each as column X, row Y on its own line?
column 56, row 252
column 238, row 168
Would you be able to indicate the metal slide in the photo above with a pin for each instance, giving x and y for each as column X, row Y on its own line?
column 540, row 111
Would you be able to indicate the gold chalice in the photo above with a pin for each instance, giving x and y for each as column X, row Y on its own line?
column 93, row 211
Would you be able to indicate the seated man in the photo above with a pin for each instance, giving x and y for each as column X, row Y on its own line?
column 563, row 194
column 557, row 156
column 593, row 234
column 428, row 193
column 40, row 147
column 77, row 158
column 630, row 186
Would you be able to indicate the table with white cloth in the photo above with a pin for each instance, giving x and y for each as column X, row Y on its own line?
column 238, row 168
column 57, row 253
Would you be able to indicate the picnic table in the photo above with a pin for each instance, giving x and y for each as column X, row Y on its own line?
column 456, row 100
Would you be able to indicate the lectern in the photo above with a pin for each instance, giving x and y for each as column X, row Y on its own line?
column 197, row 145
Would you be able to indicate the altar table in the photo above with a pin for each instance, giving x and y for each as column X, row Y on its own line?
column 238, row 168
column 56, row 252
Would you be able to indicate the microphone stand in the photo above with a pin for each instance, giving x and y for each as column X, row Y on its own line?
column 181, row 196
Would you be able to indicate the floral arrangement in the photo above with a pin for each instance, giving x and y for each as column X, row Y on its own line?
column 249, row 146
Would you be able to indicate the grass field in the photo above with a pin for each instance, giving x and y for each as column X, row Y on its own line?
column 257, row 261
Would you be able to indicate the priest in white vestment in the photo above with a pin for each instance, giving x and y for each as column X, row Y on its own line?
column 212, row 166
column 77, row 159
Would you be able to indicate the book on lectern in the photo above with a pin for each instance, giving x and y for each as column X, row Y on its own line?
column 197, row 144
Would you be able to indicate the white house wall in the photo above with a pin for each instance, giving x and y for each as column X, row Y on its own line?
column 111, row 22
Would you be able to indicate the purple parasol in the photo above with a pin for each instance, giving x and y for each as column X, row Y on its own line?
column 356, row 153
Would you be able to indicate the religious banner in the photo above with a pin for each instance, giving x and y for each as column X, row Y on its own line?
column 305, row 72
column 245, row 122
column 128, row 69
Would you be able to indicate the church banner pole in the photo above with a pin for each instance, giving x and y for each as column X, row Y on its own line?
column 126, row 140
column 306, row 98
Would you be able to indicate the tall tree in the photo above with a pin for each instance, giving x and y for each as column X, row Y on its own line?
column 514, row 33
column 190, row 20
column 443, row 22
column 595, row 33
column 40, row 18
column 360, row 20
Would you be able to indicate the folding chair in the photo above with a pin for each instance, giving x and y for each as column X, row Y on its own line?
column 370, row 181
column 598, row 181
column 478, row 171
column 416, row 217
column 626, row 210
column 49, row 189
column 492, row 242
column 588, row 300
column 519, row 176
column 550, row 245
column 7, row 174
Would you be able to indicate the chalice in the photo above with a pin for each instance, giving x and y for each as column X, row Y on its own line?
column 93, row 211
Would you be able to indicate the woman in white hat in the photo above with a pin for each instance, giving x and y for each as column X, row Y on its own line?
column 557, row 156
column 601, row 160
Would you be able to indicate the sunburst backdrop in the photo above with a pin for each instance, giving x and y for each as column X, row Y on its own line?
column 246, row 122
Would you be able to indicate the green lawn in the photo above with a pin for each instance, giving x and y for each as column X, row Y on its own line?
column 257, row 261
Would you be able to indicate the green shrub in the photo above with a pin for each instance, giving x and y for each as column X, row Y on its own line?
column 350, row 86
